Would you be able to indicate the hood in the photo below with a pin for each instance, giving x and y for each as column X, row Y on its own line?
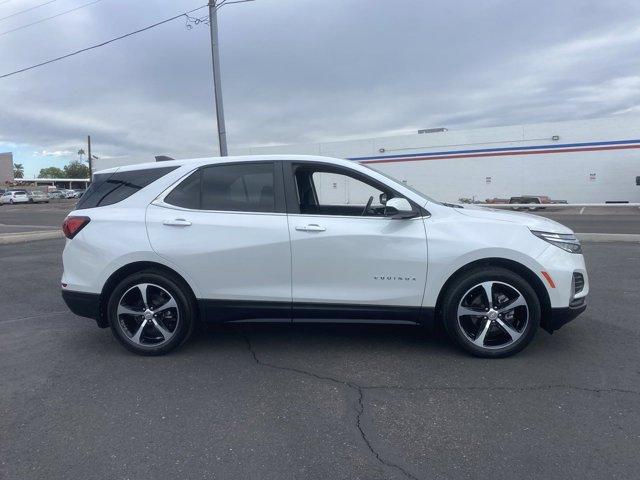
column 534, row 222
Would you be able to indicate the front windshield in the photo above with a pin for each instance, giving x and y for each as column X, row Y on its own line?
column 418, row 192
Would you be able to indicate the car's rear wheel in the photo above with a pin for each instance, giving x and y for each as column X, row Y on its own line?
column 151, row 313
column 491, row 312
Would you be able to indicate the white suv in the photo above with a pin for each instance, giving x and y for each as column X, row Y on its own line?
column 154, row 248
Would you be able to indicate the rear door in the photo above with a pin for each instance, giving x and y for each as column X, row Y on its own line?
column 349, row 261
column 226, row 226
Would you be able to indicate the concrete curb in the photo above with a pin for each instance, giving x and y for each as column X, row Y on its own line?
column 609, row 237
column 24, row 237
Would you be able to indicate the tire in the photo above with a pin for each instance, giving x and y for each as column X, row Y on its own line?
column 127, row 296
column 503, row 330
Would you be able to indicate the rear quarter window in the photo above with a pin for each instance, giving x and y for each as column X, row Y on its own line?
column 109, row 188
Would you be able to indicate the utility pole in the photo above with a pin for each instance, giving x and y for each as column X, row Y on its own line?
column 215, row 57
column 89, row 156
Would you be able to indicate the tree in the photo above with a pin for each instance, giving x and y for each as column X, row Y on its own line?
column 51, row 172
column 76, row 169
column 18, row 170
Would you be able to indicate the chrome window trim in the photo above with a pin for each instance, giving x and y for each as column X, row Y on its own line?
column 362, row 217
column 227, row 212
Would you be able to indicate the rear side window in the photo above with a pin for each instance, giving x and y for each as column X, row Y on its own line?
column 245, row 187
column 187, row 194
column 109, row 188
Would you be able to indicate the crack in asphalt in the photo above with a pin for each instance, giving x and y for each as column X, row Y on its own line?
column 353, row 386
column 360, row 412
column 32, row 317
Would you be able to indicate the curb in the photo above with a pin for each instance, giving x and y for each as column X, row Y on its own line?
column 24, row 237
column 609, row 237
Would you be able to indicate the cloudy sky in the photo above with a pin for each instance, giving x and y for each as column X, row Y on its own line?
column 306, row 70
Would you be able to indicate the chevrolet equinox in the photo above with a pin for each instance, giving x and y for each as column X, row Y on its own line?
column 154, row 248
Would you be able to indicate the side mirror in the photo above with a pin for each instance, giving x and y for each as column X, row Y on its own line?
column 399, row 208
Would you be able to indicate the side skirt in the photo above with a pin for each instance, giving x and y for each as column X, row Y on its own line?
column 242, row 311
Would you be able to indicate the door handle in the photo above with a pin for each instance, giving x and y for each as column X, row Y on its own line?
column 312, row 227
column 177, row 222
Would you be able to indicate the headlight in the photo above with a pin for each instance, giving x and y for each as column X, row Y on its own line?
column 566, row 241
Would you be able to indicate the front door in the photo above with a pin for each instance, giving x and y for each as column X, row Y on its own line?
column 226, row 227
column 349, row 259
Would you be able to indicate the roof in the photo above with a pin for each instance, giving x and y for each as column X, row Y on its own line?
column 211, row 160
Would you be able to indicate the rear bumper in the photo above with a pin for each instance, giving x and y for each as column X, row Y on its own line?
column 83, row 304
column 562, row 316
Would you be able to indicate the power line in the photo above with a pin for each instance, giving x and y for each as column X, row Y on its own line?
column 28, row 9
column 48, row 18
column 101, row 44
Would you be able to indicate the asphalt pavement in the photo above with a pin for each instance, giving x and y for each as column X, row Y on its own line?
column 307, row 402
column 39, row 217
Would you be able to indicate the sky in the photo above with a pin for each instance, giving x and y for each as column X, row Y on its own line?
column 305, row 70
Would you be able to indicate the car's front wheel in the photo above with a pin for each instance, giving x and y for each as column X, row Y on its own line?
column 491, row 312
column 151, row 313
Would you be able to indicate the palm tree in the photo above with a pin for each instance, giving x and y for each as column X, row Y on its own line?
column 18, row 170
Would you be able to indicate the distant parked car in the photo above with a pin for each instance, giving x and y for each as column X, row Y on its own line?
column 38, row 197
column 56, row 194
column 532, row 199
column 70, row 193
column 79, row 193
column 14, row 196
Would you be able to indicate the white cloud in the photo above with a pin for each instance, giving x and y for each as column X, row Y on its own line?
column 54, row 153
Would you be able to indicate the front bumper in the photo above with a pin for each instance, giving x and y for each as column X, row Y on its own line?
column 562, row 316
column 84, row 305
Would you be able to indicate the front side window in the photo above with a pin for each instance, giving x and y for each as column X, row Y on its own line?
column 324, row 190
column 242, row 187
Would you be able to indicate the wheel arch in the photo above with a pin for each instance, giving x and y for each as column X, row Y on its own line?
column 512, row 265
column 129, row 269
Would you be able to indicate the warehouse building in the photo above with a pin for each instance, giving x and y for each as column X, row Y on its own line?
column 6, row 168
column 588, row 161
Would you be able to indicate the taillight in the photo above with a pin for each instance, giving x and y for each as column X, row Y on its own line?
column 72, row 225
